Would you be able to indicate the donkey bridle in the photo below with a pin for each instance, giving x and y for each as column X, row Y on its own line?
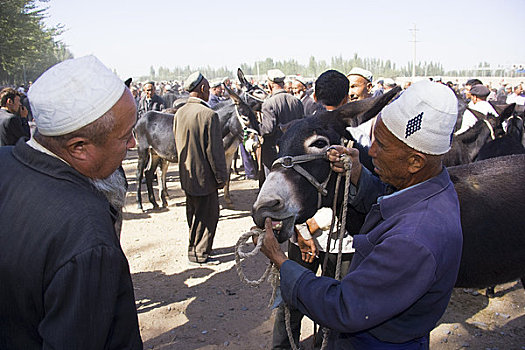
column 293, row 163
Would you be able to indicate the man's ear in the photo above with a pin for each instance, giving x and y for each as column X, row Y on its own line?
column 314, row 97
column 416, row 162
column 369, row 87
column 77, row 148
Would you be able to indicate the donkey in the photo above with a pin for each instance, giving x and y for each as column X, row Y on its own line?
column 467, row 145
column 156, row 143
column 155, row 146
column 490, row 192
column 508, row 143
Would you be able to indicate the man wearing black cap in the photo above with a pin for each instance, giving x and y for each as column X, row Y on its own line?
column 281, row 108
column 478, row 102
column 468, row 85
column 202, row 166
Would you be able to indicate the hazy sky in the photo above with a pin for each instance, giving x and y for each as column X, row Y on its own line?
column 130, row 36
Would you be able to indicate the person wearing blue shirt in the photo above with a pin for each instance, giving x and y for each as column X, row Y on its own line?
column 408, row 251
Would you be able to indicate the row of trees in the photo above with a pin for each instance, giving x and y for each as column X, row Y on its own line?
column 379, row 67
column 27, row 46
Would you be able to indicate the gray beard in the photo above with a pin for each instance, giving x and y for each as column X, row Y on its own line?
column 113, row 188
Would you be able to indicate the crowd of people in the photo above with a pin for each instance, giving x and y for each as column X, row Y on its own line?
column 65, row 278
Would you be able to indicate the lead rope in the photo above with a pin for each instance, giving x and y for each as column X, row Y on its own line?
column 342, row 230
column 272, row 274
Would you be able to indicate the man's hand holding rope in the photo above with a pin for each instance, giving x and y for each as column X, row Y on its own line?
column 335, row 154
column 271, row 247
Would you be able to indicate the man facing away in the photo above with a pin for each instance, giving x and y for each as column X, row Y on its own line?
column 202, row 166
column 279, row 109
column 65, row 280
column 408, row 251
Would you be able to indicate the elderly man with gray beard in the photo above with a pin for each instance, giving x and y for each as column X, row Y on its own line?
column 65, row 279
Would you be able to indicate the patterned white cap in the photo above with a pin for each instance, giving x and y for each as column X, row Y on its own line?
column 423, row 117
column 73, row 94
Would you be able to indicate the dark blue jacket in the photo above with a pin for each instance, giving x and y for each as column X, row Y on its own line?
column 64, row 279
column 403, row 271
column 12, row 127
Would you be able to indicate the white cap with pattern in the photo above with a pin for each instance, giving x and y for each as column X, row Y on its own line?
column 73, row 94
column 423, row 117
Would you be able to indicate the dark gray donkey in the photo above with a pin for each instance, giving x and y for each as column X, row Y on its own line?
column 156, row 143
column 490, row 192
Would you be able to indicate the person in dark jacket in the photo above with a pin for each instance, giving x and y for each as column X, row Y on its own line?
column 216, row 92
column 279, row 109
column 65, row 279
column 202, row 166
column 408, row 251
column 151, row 101
column 13, row 118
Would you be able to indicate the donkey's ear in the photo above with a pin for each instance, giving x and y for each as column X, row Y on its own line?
column 479, row 115
column 243, row 80
column 358, row 112
column 287, row 126
column 236, row 99
column 504, row 111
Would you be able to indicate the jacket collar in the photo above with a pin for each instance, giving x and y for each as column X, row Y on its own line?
column 192, row 99
column 399, row 201
column 49, row 165
column 280, row 91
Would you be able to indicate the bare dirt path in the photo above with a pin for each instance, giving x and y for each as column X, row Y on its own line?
column 181, row 306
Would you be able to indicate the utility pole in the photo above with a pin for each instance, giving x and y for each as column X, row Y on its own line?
column 414, row 41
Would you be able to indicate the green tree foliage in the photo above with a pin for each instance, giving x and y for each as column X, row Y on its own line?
column 27, row 46
column 314, row 67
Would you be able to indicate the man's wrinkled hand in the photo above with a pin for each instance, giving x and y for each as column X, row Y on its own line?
column 335, row 156
column 307, row 247
column 270, row 246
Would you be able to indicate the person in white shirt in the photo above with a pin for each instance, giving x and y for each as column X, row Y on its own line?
column 478, row 103
column 516, row 97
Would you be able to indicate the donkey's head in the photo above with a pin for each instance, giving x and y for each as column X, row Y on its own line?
column 288, row 196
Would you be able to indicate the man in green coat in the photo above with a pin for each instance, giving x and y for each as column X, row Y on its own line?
column 202, row 166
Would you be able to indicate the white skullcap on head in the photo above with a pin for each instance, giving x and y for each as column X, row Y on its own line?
column 73, row 94
column 276, row 75
column 362, row 72
column 423, row 117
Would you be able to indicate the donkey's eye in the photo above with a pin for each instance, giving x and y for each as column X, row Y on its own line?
column 319, row 143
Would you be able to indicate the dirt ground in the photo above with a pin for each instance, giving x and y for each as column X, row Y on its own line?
column 181, row 306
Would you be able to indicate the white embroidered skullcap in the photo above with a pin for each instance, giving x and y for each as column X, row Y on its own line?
column 193, row 81
column 276, row 75
column 73, row 94
column 362, row 72
column 423, row 117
